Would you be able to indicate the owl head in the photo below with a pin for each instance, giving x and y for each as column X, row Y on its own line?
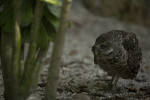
column 107, row 50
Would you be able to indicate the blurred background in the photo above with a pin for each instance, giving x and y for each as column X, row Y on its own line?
column 135, row 11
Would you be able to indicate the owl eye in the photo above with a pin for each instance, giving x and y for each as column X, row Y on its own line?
column 103, row 46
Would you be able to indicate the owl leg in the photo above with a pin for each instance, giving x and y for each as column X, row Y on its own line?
column 131, row 83
column 113, row 76
column 114, row 82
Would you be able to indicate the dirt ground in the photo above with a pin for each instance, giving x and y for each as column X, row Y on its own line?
column 80, row 78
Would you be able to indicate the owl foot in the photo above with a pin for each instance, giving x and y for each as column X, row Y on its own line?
column 114, row 81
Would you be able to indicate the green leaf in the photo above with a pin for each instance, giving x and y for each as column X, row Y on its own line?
column 50, row 17
column 6, row 17
column 26, row 13
column 49, row 28
column 54, row 10
column 25, row 33
column 54, row 2
column 9, row 25
column 42, row 41
column 1, row 2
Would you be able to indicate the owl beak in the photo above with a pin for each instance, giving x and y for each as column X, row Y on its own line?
column 109, row 52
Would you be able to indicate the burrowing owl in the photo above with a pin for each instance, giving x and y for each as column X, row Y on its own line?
column 118, row 53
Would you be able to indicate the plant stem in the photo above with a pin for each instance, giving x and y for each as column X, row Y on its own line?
column 53, row 71
column 29, row 64
column 10, row 55
column 6, row 56
column 16, row 38
column 38, row 66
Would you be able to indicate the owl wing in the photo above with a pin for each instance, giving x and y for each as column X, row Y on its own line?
column 134, row 60
column 130, row 44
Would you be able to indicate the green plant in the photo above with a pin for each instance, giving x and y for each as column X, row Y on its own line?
column 32, row 21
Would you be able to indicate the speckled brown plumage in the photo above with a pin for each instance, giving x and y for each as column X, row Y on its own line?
column 118, row 52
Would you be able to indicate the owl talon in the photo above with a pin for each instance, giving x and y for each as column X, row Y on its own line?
column 115, row 79
column 112, row 78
